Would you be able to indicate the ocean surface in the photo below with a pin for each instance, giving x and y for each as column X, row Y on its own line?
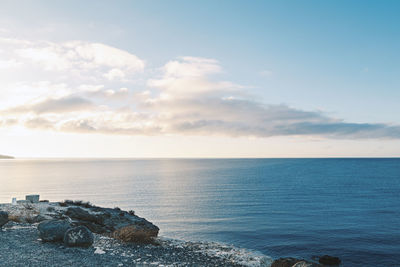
column 282, row 207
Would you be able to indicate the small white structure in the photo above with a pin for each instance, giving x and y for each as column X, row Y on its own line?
column 14, row 201
column 32, row 198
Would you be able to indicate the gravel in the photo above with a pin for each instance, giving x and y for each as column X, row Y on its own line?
column 21, row 246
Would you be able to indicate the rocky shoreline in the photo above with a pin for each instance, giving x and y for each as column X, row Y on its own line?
column 76, row 233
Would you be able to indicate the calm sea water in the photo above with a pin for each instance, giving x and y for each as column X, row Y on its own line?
column 282, row 207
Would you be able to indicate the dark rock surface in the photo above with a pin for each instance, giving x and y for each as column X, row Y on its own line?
column 329, row 260
column 285, row 262
column 3, row 218
column 78, row 237
column 20, row 247
column 83, row 215
column 53, row 230
column 293, row 262
column 119, row 224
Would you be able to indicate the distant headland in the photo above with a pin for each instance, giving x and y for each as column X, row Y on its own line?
column 5, row 157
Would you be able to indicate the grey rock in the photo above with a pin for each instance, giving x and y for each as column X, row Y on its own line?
column 329, row 260
column 39, row 218
column 32, row 198
column 83, row 215
column 95, row 228
column 3, row 218
column 53, row 230
column 293, row 262
column 119, row 224
column 78, row 237
column 306, row 264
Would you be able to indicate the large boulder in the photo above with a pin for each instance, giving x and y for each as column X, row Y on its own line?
column 53, row 230
column 80, row 214
column 3, row 218
column 131, row 228
column 78, row 237
column 329, row 260
column 285, row 262
column 116, row 223
column 293, row 262
column 93, row 227
column 306, row 264
column 135, row 233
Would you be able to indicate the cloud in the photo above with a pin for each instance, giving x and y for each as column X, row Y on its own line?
column 114, row 74
column 186, row 96
column 52, row 105
column 39, row 123
column 75, row 56
column 189, row 76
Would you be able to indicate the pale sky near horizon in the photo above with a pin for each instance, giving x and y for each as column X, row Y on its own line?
column 200, row 79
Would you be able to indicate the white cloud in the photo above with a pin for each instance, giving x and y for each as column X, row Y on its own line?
column 76, row 56
column 104, row 55
column 191, row 67
column 114, row 74
column 188, row 76
column 89, row 91
column 51, row 57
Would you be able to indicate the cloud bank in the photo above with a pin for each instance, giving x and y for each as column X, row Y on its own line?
column 84, row 87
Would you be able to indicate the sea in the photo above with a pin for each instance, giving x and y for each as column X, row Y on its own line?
column 345, row 207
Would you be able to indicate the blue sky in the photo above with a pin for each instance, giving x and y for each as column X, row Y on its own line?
column 336, row 58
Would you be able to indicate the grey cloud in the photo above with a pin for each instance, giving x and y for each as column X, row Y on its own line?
column 79, row 126
column 249, row 118
column 39, row 123
column 8, row 122
column 87, row 126
column 53, row 105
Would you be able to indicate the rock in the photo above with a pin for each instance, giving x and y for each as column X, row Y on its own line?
column 3, row 218
column 32, row 198
column 95, row 228
column 306, row 264
column 293, row 262
column 133, row 233
column 53, row 230
column 78, row 237
column 285, row 262
column 119, row 224
column 130, row 228
column 39, row 218
column 329, row 260
column 82, row 215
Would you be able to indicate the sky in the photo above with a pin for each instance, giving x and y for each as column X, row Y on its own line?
column 200, row 78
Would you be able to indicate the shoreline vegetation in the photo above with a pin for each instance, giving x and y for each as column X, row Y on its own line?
column 77, row 233
column 6, row 157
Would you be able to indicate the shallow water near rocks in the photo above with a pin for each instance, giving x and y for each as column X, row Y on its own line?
column 281, row 207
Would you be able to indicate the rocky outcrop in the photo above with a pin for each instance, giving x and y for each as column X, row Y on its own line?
column 53, row 230
column 80, row 214
column 3, row 218
column 55, row 217
column 116, row 223
column 293, row 262
column 78, row 237
column 329, row 260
